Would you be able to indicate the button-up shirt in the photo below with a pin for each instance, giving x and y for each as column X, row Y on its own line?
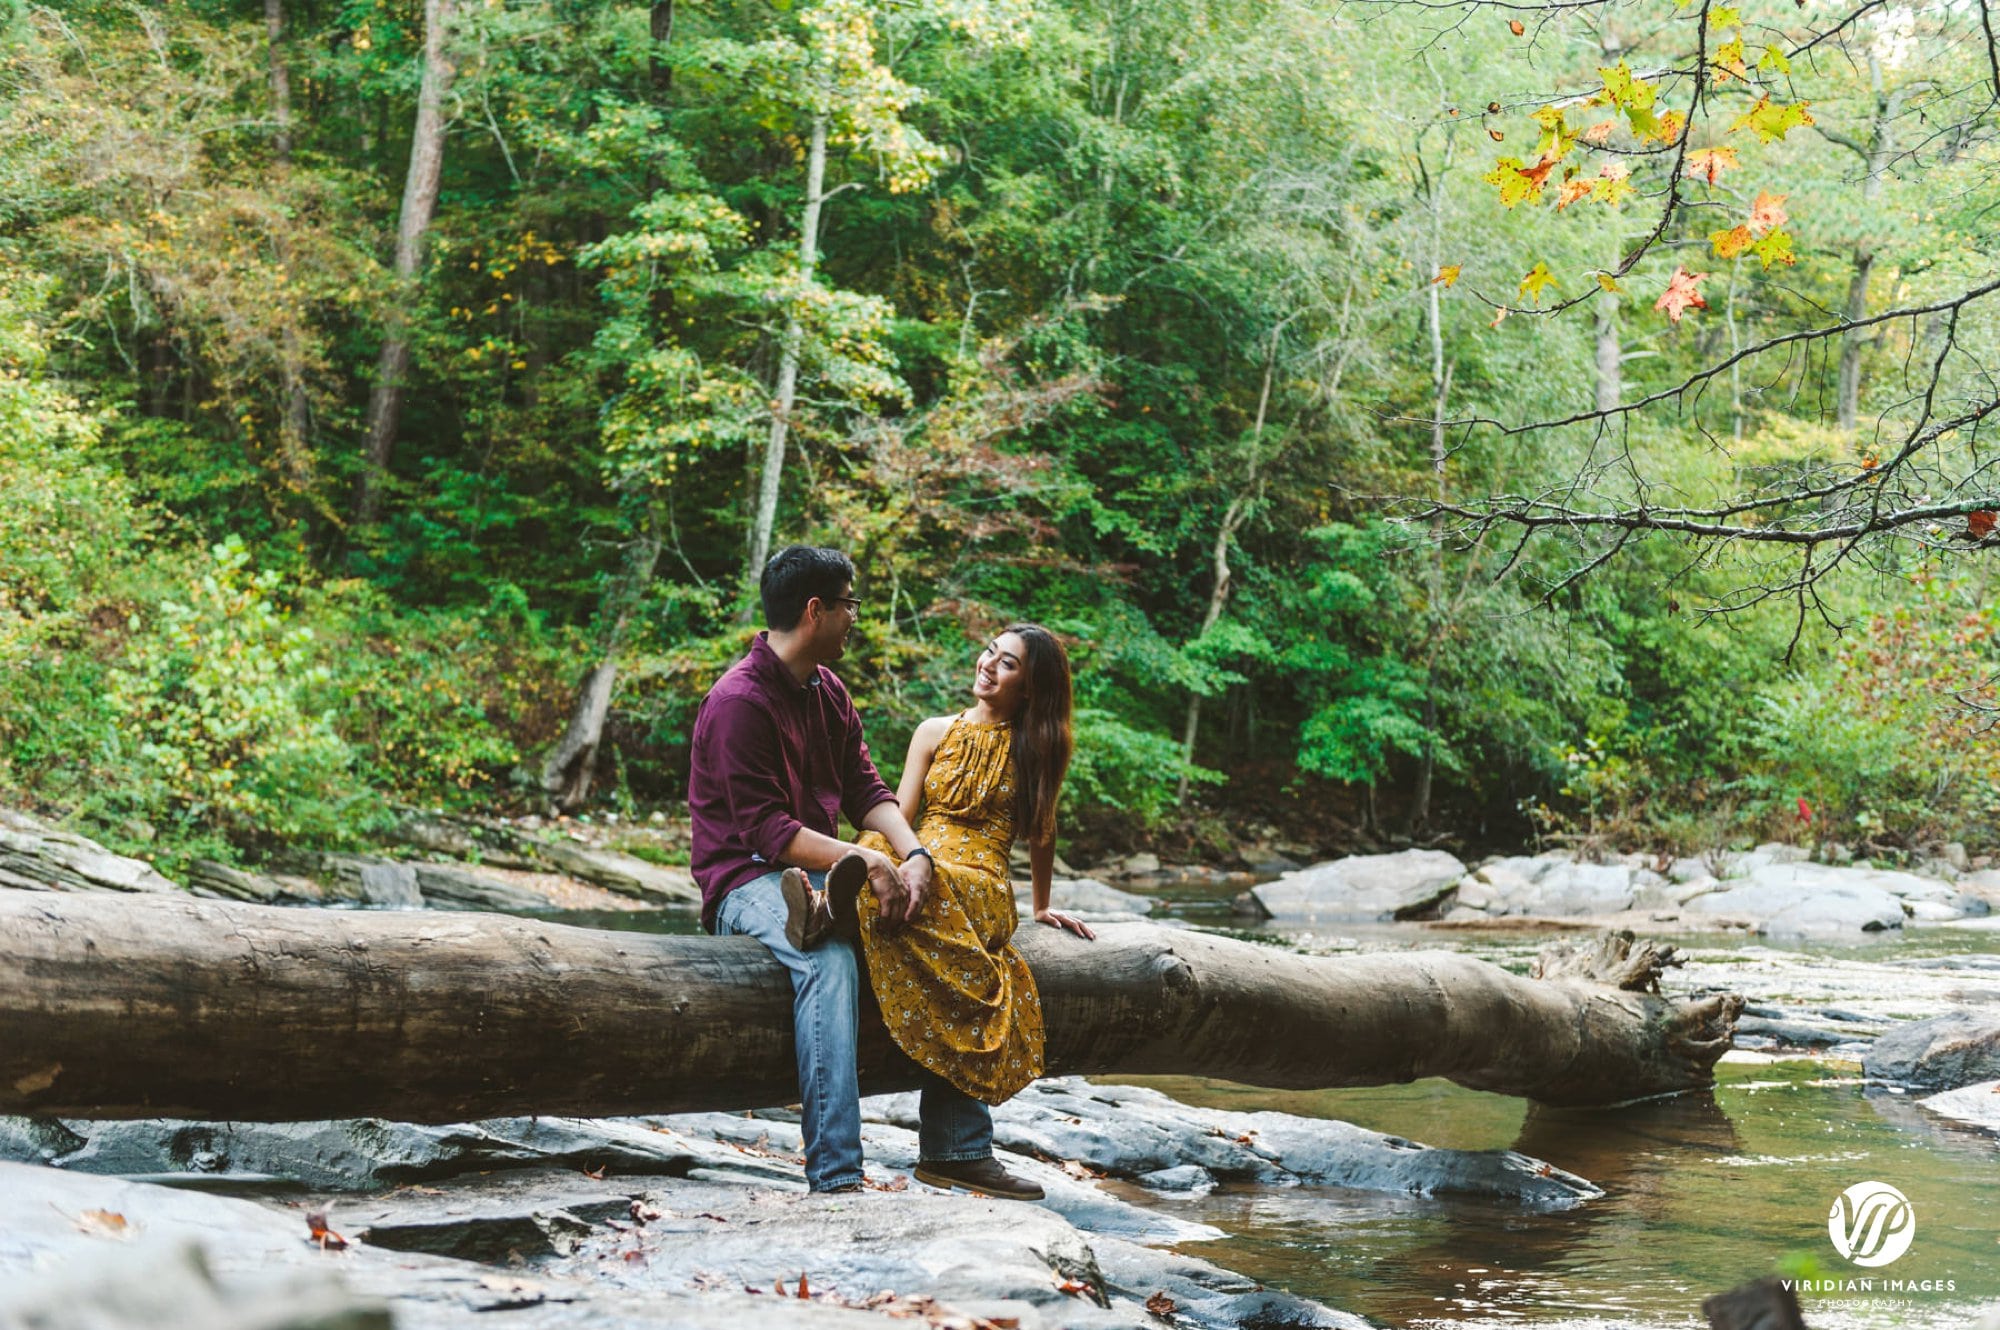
column 771, row 755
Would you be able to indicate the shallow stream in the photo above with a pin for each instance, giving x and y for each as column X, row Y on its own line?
column 1703, row 1192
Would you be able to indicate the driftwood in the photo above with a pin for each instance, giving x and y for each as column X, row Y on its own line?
column 119, row 1006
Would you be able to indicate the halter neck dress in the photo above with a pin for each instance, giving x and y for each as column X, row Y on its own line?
column 954, row 992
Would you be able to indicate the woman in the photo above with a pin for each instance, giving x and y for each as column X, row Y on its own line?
column 956, row 995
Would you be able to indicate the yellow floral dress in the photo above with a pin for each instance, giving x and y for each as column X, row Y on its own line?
column 956, row 995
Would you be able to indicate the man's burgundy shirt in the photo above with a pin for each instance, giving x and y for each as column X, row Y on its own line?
column 771, row 755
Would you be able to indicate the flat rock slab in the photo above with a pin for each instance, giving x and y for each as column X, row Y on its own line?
column 1362, row 886
column 976, row 1255
column 1086, row 896
column 36, row 856
column 1976, row 1105
column 1942, row 1053
column 1808, row 900
column 689, row 1252
column 1133, row 1132
column 626, row 874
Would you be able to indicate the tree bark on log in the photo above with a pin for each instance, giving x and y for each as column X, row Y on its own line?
column 159, row 1006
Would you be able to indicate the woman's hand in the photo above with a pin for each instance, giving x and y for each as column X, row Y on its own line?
column 1057, row 919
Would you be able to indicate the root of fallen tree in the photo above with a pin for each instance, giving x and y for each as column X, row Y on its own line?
column 167, row 1006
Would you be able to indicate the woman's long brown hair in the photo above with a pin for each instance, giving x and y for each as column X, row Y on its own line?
column 1042, row 743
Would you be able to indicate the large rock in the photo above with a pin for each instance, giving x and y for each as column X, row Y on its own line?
column 206, row 877
column 364, row 1154
column 168, row 1282
column 1801, row 899
column 453, row 887
column 1942, row 1053
column 1133, row 1132
column 626, row 874
column 1363, row 886
column 1976, row 1105
column 37, row 857
column 1086, row 897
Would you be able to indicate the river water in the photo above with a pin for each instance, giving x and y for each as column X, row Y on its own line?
column 1703, row 1191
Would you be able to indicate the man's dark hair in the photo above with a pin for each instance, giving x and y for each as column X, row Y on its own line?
column 795, row 575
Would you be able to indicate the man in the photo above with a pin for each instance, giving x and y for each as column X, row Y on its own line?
column 778, row 756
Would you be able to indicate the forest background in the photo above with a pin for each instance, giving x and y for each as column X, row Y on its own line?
column 396, row 395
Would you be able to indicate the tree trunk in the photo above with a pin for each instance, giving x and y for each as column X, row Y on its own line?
column 1610, row 357
column 1881, row 146
column 281, row 81
column 420, row 193
column 788, row 361
column 571, row 766
column 1232, row 519
column 172, row 1006
column 295, row 458
column 661, row 25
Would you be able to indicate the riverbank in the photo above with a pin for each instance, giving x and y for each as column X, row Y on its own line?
column 1234, row 1206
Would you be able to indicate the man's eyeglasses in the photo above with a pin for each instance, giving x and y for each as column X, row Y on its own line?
column 853, row 604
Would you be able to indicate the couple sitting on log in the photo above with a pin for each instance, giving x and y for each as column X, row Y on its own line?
column 778, row 756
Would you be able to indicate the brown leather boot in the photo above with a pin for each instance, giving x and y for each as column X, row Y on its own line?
column 807, row 923
column 984, row 1176
column 844, row 882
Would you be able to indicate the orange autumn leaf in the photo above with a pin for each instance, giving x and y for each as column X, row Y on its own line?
column 1161, row 1305
column 1572, row 190
column 1447, row 275
column 1682, row 294
column 1979, row 524
column 804, row 1292
column 1768, row 212
column 1516, row 27
column 1711, row 162
column 1599, row 132
column 318, row 1232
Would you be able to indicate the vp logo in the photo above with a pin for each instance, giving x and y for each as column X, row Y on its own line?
column 1871, row 1223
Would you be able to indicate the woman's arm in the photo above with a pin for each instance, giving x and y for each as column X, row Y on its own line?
column 923, row 747
column 1041, row 866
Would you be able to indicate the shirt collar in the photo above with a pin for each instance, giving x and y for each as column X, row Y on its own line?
column 767, row 663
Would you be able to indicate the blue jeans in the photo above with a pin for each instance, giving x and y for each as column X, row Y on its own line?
column 826, row 1018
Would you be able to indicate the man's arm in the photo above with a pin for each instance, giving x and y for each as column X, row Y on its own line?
column 751, row 782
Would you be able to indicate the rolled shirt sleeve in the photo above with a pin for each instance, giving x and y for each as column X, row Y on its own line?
column 757, row 800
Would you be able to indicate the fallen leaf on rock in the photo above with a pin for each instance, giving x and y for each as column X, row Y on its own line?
column 804, row 1292
column 634, row 1255
column 1161, row 1305
column 717, row 1218
column 103, row 1224
column 595, row 1174
column 897, row 1183
column 317, row 1231
column 644, row 1212
column 1079, row 1170
column 1076, row 1288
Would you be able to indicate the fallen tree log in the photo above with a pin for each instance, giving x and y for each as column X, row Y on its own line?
column 167, row 1006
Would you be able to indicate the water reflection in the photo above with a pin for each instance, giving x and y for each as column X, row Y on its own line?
column 1704, row 1192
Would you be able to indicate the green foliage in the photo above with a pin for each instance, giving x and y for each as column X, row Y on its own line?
column 220, row 697
column 1107, row 300
column 1892, row 744
column 1127, row 771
